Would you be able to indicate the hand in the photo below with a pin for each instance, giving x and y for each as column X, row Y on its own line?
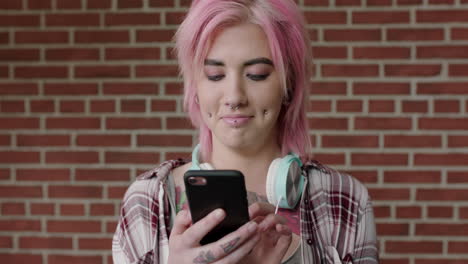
column 184, row 241
column 276, row 235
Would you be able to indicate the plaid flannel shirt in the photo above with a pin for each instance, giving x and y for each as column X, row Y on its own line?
column 337, row 221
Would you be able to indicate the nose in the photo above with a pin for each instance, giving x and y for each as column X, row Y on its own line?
column 235, row 95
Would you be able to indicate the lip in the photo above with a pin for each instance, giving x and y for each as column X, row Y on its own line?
column 236, row 120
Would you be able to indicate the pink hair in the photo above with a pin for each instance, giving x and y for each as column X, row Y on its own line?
column 283, row 25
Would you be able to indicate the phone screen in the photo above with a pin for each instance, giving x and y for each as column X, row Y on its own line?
column 208, row 190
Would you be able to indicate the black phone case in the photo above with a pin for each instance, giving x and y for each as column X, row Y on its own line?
column 224, row 189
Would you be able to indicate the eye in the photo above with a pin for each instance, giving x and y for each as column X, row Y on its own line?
column 257, row 77
column 215, row 78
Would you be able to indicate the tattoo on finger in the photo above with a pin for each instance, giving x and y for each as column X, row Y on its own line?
column 204, row 258
column 229, row 246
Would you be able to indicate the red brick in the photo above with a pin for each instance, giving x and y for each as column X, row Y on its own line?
column 459, row 33
column 5, row 140
column 159, row 105
column 73, row 123
column 436, row 229
column 415, row 106
column 103, row 140
column 13, row 209
column 401, row 176
column 102, row 36
column 348, row 2
column 102, row 175
column 446, row 52
column 156, row 71
column 18, row 258
column 9, row 55
column 12, row 106
column 409, row 2
column 460, row 247
column 15, row 191
column 174, row 18
column 412, row 141
column 381, row 106
column 118, row 193
column 6, row 242
column 68, row 4
column 330, row 158
column 19, row 123
column 174, row 88
column 72, row 106
column 18, row 225
column 457, row 177
column 343, row 141
column 41, row 37
column 328, row 88
column 381, row 53
column 441, row 2
column 325, row 17
column 4, row 174
column 42, row 140
column 355, row 70
column 445, row 123
column 73, row 226
column 440, row 211
column 4, row 72
column 441, row 195
column 19, row 157
column 102, row 106
column 64, row 157
column 98, row 4
column 29, row 72
column 392, row 229
column 436, row 88
column 329, row 52
column 415, row 34
column 30, row 242
column 72, row 20
column 177, row 155
column 316, row 2
column 133, row 123
column 441, row 16
column 133, row 106
column 133, row 19
column 72, row 54
column 133, row 53
column 18, row 20
column 458, row 70
column 446, row 159
column 408, row 212
column 72, row 209
column 319, row 106
column 328, row 123
column 446, row 106
column 39, row 4
column 102, row 209
column 59, row 259
column 413, row 247
column 178, row 123
column 381, row 123
column 380, row 17
column 349, row 105
column 158, row 3
column 102, row 71
column 164, row 140
column 389, row 194
column 132, row 157
column 4, row 37
column 412, row 70
column 133, row 88
column 8, row 5
column 94, row 243
column 42, row 209
column 155, row 35
column 43, row 174
column 70, row 89
column 388, row 159
column 381, row 211
column 130, row 3
column 42, row 106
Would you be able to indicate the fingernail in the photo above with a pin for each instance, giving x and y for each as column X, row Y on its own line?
column 219, row 213
column 252, row 226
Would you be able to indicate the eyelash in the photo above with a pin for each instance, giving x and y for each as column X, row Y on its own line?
column 253, row 77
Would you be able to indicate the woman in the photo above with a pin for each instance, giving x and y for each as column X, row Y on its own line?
column 245, row 65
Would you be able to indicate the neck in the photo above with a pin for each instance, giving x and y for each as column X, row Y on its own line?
column 253, row 163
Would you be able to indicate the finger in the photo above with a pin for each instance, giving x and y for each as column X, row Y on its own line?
column 282, row 245
column 181, row 223
column 197, row 231
column 283, row 229
column 240, row 252
column 260, row 209
column 271, row 220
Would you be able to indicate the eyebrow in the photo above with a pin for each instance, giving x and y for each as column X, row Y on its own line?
column 263, row 60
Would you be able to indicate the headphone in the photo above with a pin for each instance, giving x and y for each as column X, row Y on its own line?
column 284, row 179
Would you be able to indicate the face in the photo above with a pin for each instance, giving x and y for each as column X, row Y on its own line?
column 239, row 90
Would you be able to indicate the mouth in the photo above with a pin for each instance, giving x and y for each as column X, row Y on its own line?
column 236, row 120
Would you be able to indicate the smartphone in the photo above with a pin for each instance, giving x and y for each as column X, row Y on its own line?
column 208, row 190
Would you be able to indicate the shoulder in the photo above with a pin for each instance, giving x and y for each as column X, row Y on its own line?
column 324, row 180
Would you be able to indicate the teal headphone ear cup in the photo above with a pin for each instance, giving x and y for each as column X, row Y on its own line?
column 288, row 182
column 271, row 182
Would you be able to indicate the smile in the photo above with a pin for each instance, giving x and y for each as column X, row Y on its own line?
column 236, row 120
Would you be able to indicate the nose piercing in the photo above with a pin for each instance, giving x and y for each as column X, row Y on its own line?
column 234, row 107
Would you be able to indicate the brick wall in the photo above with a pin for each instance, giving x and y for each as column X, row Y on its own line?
column 90, row 98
